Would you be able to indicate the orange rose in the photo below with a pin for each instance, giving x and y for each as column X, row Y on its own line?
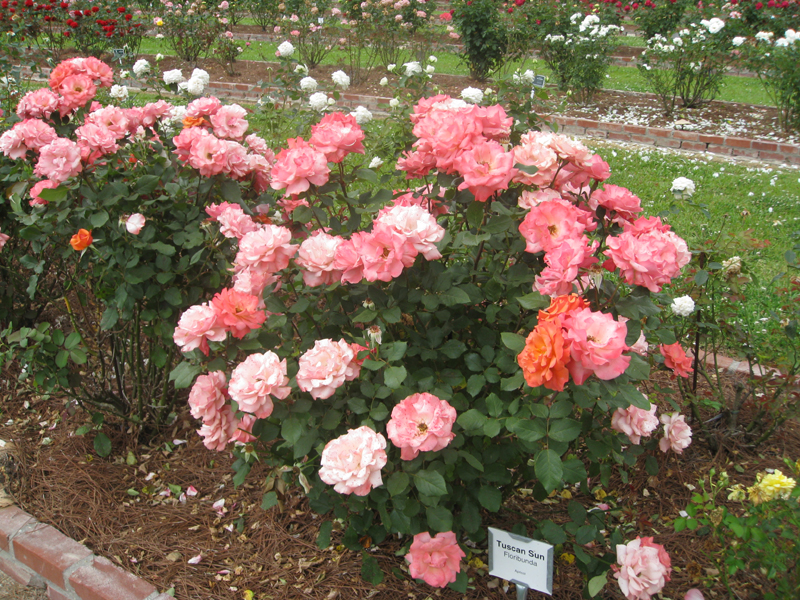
column 193, row 122
column 81, row 240
column 561, row 305
column 545, row 356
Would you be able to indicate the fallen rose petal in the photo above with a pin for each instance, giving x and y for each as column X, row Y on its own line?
column 195, row 559
column 192, row 491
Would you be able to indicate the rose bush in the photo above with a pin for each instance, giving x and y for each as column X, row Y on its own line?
column 415, row 345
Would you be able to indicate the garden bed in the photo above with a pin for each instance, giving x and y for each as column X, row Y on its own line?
column 58, row 478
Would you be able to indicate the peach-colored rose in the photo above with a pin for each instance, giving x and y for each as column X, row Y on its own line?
column 384, row 253
column 675, row 358
column 59, row 160
column 417, row 225
column 38, row 104
column 208, row 395
column 486, row 168
column 618, row 200
column 229, row 122
column 316, row 257
column 323, row 368
column 421, row 423
column 549, row 223
column 336, row 136
column 437, row 561
column 677, row 433
column 545, row 357
column 76, row 91
column 299, row 166
column 219, row 430
column 539, row 156
column 266, row 249
column 352, row 463
column 598, row 342
column 238, row 312
column 81, row 240
column 644, row 568
column 563, row 264
column 495, row 123
column 635, row 422
column 256, row 380
column 197, row 325
column 650, row 259
column 561, row 306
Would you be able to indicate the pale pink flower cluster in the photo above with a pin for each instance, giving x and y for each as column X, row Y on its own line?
column 210, row 143
column 27, row 135
column 648, row 253
column 299, row 166
column 643, row 568
column 256, row 381
column 207, row 401
column 326, row 367
column 421, row 423
column 677, row 433
column 455, row 137
column 316, row 259
column 637, row 423
column 336, row 136
column 352, row 463
column 437, row 560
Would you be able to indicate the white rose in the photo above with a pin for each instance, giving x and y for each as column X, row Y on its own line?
column 683, row 306
column 390, row 67
column 201, row 75
column 430, row 69
column 285, row 49
column 195, row 86
column 472, row 95
column 308, row 84
column 318, row 101
column 683, row 187
column 375, row 163
column 384, row 82
column 394, row 102
column 738, row 40
column 362, row 115
column 173, row 76
column 301, row 69
column 140, row 67
column 732, row 266
column 412, row 68
column 159, row 57
column 341, row 79
column 120, row 92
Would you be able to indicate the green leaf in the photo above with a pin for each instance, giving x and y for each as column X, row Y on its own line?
column 78, row 356
column 102, row 445
column 439, row 518
column 529, row 430
column 475, row 213
column 508, row 384
column 365, row 316
column 548, row 469
column 324, row 535
column 494, row 405
column 638, row 369
column 370, row 569
column 701, row 277
column 183, row 375
column 473, row 462
column 173, row 296
column 490, row 498
column 291, row 430
column 564, row 430
column 163, row 248
column 475, row 384
column 397, row 483
column 454, row 296
column 471, row 419
column 553, row 533
column 596, row 584
column 99, row 219
column 394, row 377
column 110, row 318
column 453, row 348
column 533, row 301
column 461, row 582
column 72, row 341
column 430, row 483
column 367, row 175
column 512, row 341
column 61, row 358
column 393, row 351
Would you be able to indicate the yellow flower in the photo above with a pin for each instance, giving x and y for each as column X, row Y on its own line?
column 159, row 22
column 769, row 486
column 737, row 492
column 568, row 558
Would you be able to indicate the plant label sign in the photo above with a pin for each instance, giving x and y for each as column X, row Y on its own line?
column 538, row 81
column 521, row 560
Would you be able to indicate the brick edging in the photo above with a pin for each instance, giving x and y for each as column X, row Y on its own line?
column 38, row 555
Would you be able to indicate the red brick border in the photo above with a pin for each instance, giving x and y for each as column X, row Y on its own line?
column 38, row 555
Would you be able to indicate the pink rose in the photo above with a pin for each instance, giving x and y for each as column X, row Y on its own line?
column 252, row 281
column 694, row 594
column 352, row 463
column 644, row 568
column 421, row 423
column 234, row 223
column 417, row 225
column 336, row 136
column 229, row 122
column 436, row 560
column 446, row 134
column 134, row 223
column 416, row 164
column 186, row 139
column 76, row 91
column 113, row 118
column 677, row 434
column 98, row 71
column 256, row 380
column 38, row 104
column 153, row 111
column 675, row 358
column 495, row 123
column 598, row 342
column 528, row 199
column 649, row 259
column 258, row 145
column 237, row 161
column 208, row 155
column 348, row 259
column 238, row 312
column 266, row 249
column 95, row 141
column 635, row 422
column 324, row 368
column 59, row 161
column 384, row 253
column 208, row 395
column 316, row 257
column 219, row 430
column 618, row 200
column 203, row 107
column 197, row 325
column 563, row 263
column 486, row 168
column 44, row 184
column 536, row 155
column 549, row 223
column 3, row 239
column 299, row 166
column 31, row 134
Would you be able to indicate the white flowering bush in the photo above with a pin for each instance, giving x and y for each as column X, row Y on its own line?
column 690, row 65
column 578, row 51
column 775, row 60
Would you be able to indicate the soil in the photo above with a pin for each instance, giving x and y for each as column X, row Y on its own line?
column 717, row 118
column 122, row 507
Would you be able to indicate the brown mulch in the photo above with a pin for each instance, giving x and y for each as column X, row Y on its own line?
column 59, row 479
column 717, row 118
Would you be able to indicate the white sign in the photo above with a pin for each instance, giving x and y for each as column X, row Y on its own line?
column 521, row 560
